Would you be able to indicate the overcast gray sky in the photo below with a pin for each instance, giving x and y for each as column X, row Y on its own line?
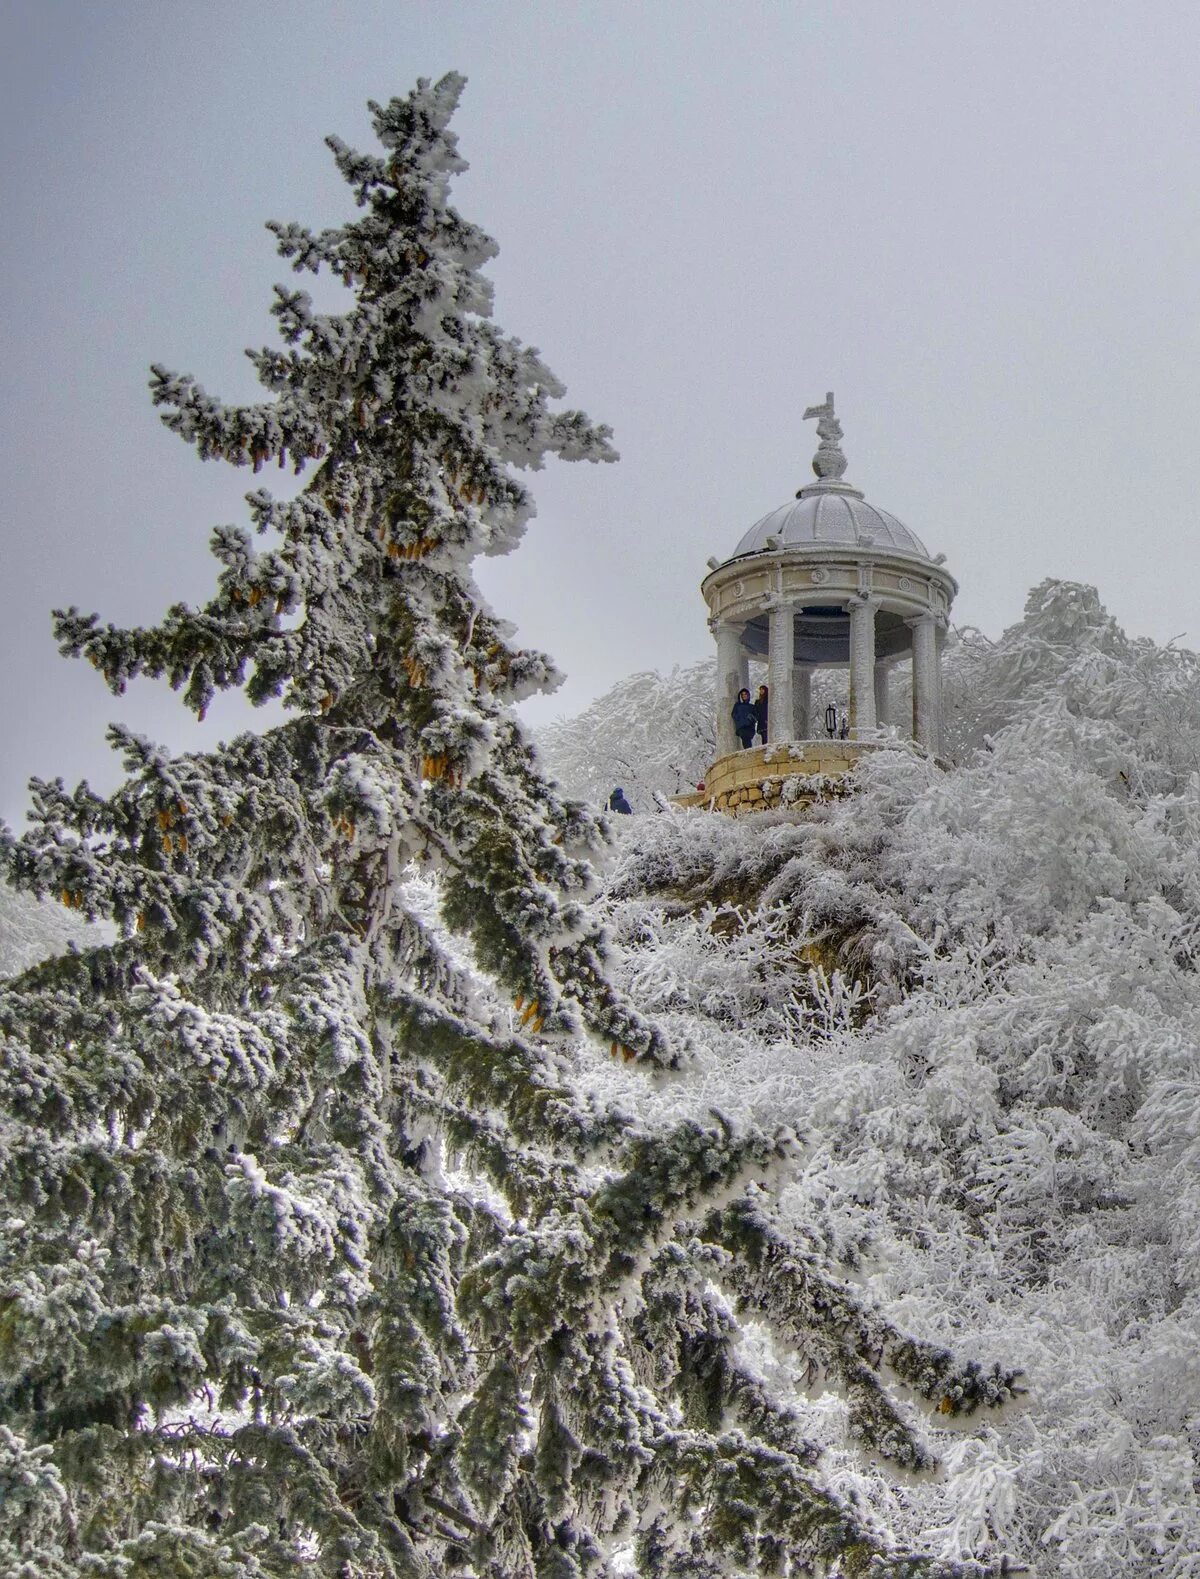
column 977, row 223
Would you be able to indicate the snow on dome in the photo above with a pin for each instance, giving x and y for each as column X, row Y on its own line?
column 823, row 515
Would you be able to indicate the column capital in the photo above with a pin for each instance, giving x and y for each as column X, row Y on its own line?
column 938, row 621
column 863, row 600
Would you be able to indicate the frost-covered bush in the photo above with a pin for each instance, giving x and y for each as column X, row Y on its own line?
column 1069, row 651
column 1003, row 1134
column 652, row 734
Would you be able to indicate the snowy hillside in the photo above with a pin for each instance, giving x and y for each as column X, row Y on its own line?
column 974, row 995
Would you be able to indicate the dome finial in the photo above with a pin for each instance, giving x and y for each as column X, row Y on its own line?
column 829, row 463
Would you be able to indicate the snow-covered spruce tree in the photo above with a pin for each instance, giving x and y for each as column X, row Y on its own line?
column 314, row 1258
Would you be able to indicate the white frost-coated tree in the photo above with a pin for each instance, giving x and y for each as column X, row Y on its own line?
column 1070, row 651
column 652, row 734
column 318, row 1256
column 992, row 1043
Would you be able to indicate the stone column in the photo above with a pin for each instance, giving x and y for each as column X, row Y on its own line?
column 802, row 724
column 780, row 654
column 883, row 710
column 862, row 667
column 732, row 673
column 927, row 683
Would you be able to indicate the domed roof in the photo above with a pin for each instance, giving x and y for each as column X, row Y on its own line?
column 829, row 510
column 825, row 515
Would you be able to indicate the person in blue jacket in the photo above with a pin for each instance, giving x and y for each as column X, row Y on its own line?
column 745, row 722
column 617, row 802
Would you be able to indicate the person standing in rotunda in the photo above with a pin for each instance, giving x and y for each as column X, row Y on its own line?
column 745, row 720
column 760, row 712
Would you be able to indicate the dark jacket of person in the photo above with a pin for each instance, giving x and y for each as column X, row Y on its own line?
column 744, row 719
column 761, row 709
column 617, row 802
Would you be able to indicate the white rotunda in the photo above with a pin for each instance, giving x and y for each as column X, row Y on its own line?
column 826, row 580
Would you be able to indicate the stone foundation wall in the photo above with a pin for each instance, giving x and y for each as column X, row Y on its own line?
column 787, row 776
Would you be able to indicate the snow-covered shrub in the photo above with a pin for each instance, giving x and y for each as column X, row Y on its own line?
column 1069, row 651
column 1004, row 1138
column 652, row 734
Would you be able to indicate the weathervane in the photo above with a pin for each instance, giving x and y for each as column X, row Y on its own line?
column 829, row 463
